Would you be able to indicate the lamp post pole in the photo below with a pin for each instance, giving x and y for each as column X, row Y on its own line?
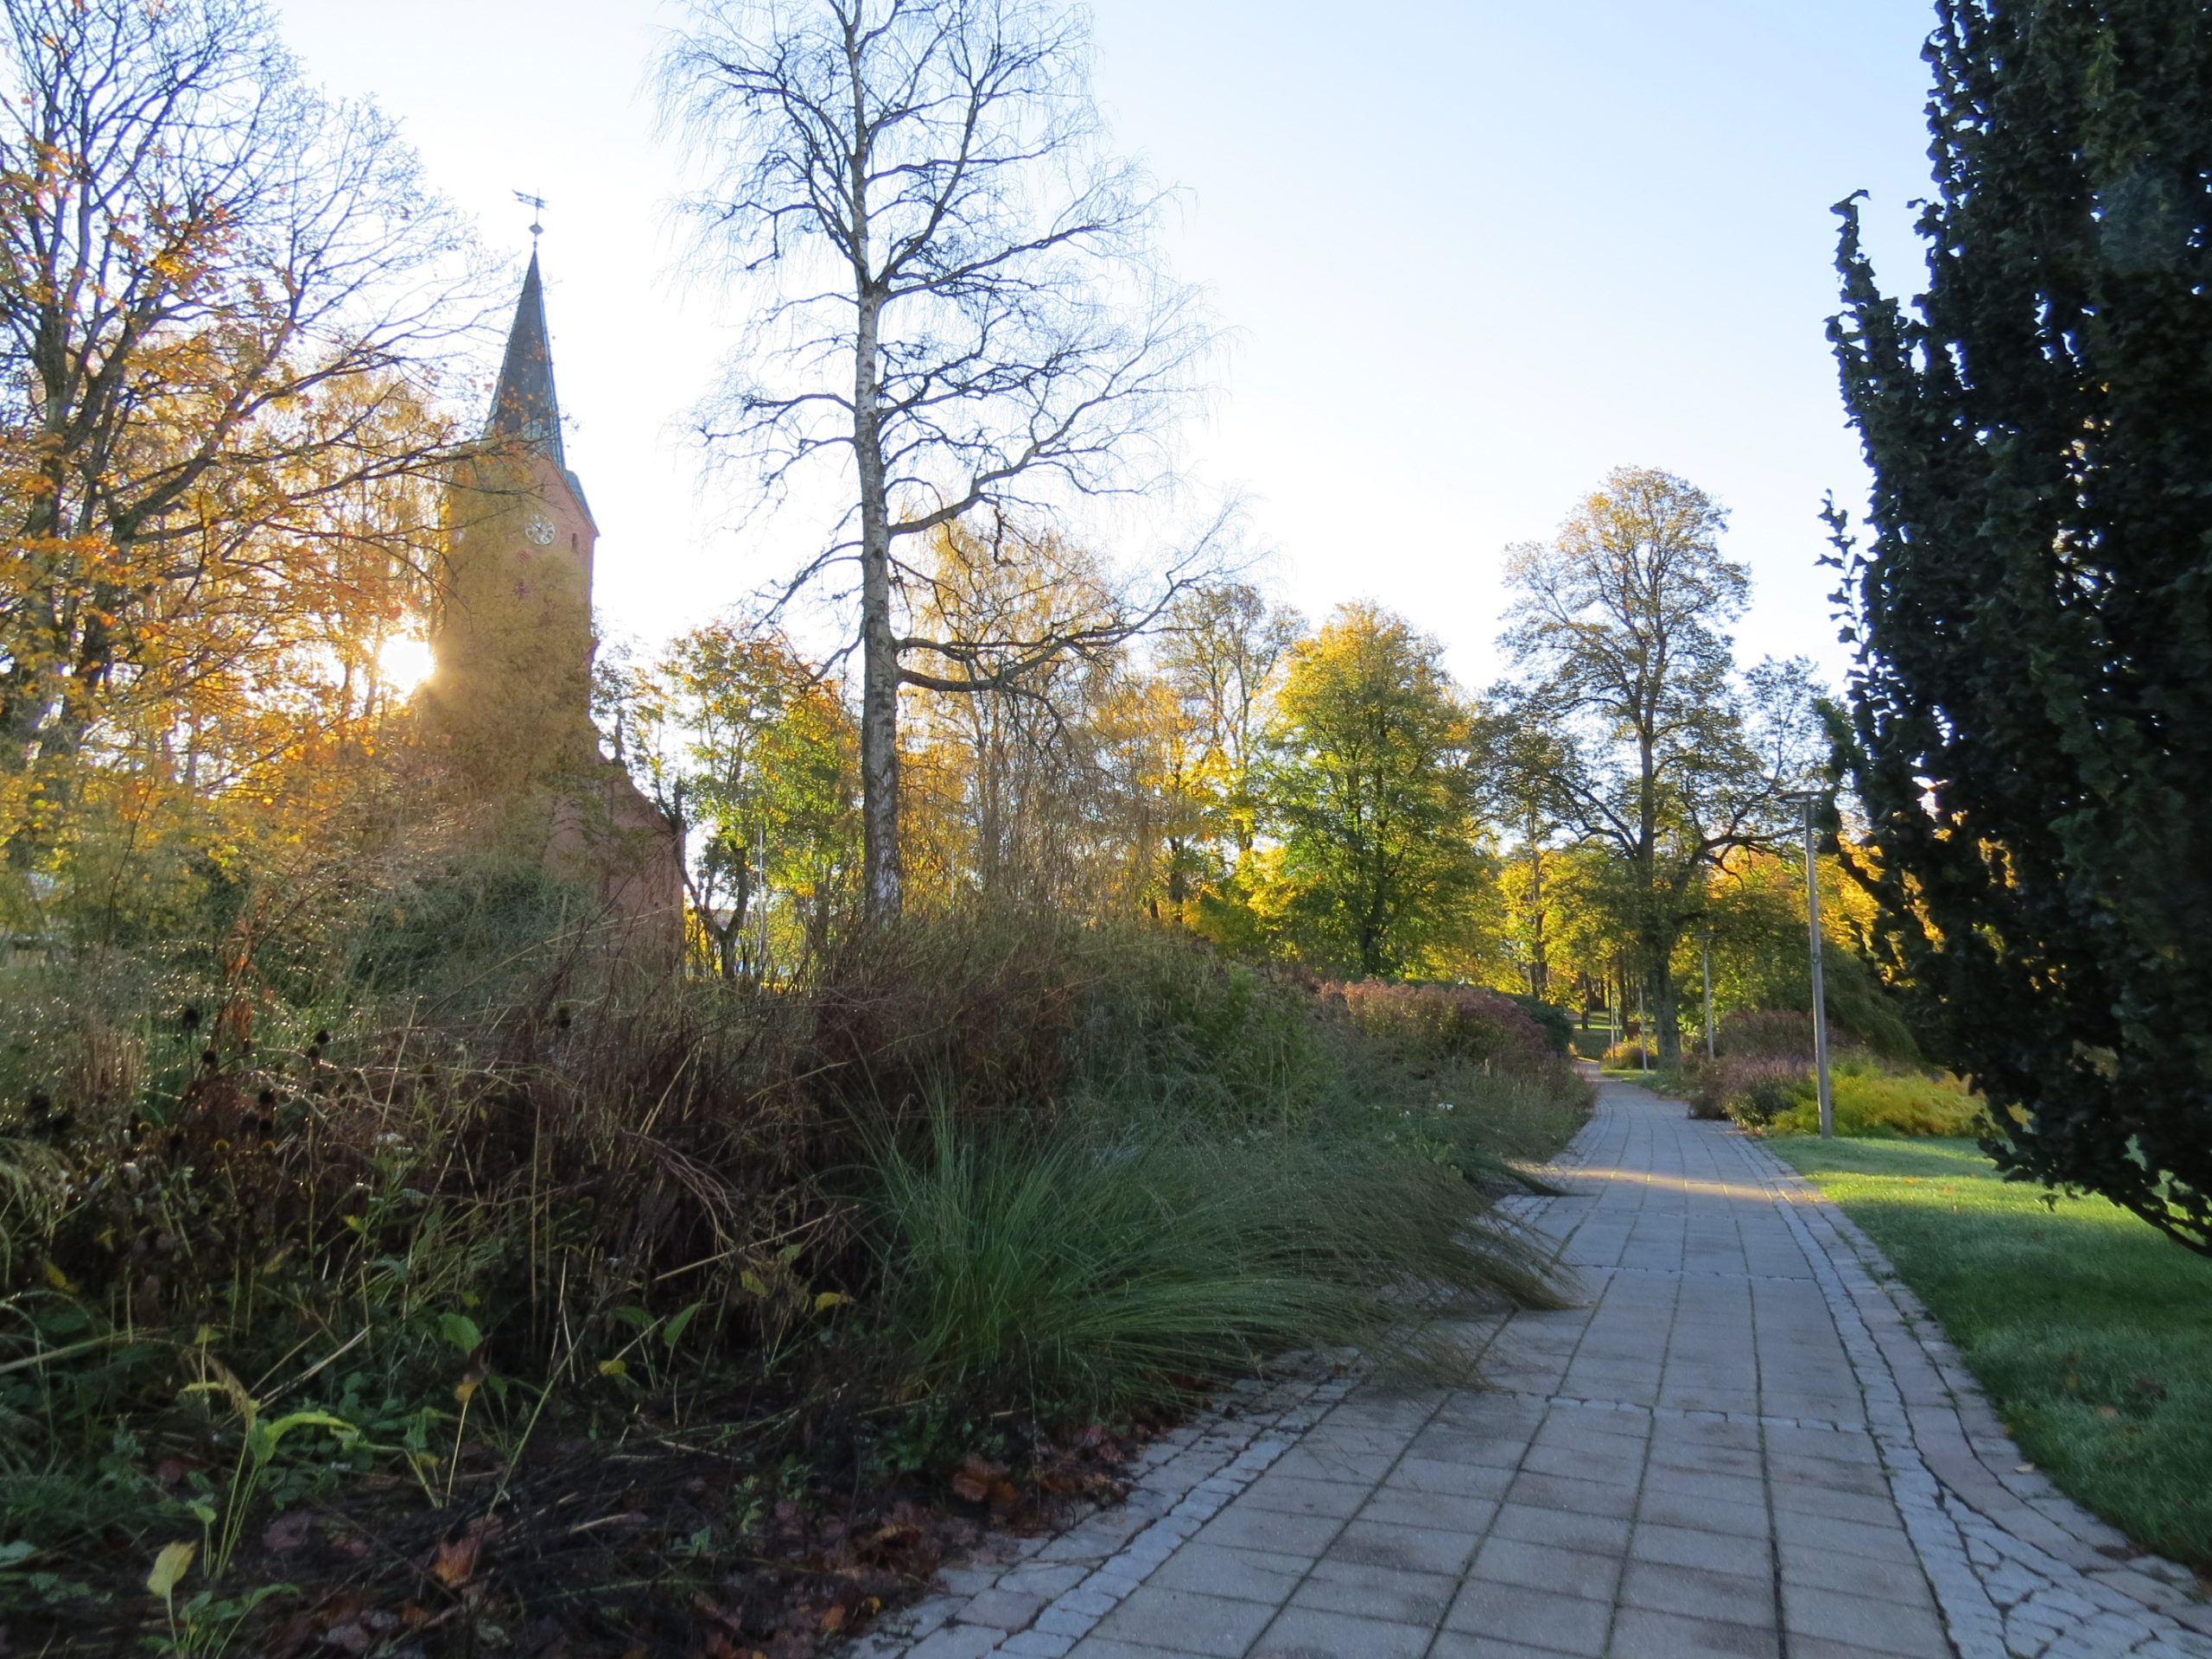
column 1810, row 800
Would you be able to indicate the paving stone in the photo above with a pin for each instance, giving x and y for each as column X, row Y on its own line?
column 1558, row 1622
column 1440, row 1511
column 1595, row 1534
column 1334, row 1463
column 1451, row 1644
column 1857, row 1575
column 1583, row 1496
column 1699, row 1592
column 956, row 1642
column 1241, row 1526
column 1437, row 1475
column 1306, row 1632
column 1183, row 1620
column 1714, row 1551
column 1800, row 1499
column 1887, row 1625
column 1705, row 1487
column 1607, row 1466
column 1640, row 1633
column 1002, row 1609
column 1388, row 1594
column 1297, row 1495
column 1678, row 1509
column 1245, row 1575
column 1544, row 1566
column 1412, row 1549
column 1816, row 1647
column 1885, row 1543
column 1046, row 1579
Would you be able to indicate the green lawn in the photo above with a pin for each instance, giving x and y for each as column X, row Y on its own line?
column 2092, row 1333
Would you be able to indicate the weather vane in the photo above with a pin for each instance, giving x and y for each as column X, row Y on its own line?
column 537, row 206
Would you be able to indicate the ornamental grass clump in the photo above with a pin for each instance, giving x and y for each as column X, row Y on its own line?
column 1080, row 1268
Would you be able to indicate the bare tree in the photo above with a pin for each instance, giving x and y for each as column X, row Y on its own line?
column 218, row 293
column 1668, row 756
column 962, row 309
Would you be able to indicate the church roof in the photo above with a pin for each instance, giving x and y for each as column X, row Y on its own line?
column 524, row 404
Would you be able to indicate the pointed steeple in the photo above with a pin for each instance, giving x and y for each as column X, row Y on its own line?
column 523, row 406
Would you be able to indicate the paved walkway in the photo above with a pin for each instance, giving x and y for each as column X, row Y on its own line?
column 1745, row 1439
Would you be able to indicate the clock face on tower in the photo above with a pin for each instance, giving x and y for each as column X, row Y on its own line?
column 539, row 530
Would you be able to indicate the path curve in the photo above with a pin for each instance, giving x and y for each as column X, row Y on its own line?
column 1747, row 1438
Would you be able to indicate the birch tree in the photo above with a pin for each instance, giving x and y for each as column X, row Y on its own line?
column 959, row 304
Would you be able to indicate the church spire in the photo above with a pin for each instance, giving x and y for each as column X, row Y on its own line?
column 523, row 406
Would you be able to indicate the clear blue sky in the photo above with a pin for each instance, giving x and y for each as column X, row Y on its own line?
column 1475, row 251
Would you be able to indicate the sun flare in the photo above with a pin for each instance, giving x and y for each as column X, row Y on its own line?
column 404, row 663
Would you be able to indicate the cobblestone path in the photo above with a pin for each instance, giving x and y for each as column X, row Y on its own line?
column 1746, row 1438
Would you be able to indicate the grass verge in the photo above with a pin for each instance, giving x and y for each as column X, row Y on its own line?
column 2092, row 1333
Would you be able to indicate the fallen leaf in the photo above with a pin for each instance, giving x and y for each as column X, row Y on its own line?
column 455, row 1561
column 287, row 1532
column 348, row 1638
column 833, row 1620
column 975, row 1478
column 2107, row 1412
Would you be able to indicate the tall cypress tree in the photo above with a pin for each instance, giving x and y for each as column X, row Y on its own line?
column 2033, row 699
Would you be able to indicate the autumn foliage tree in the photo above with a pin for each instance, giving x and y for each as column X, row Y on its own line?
column 1368, row 789
column 2032, row 705
column 222, row 298
column 750, row 752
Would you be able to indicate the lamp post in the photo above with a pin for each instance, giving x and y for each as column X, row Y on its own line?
column 1810, row 800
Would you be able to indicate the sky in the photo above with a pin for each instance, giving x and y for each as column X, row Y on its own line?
column 1471, row 253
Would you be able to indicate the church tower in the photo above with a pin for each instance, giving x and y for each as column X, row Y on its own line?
column 508, row 702
column 513, row 641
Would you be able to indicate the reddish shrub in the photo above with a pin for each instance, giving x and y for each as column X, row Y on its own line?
column 1766, row 1032
column 1455, row 1024
column 1753, row 1088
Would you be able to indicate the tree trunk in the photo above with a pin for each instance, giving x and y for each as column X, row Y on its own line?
column 1665, row 1010
column 1539, row 971
column 881, row 870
